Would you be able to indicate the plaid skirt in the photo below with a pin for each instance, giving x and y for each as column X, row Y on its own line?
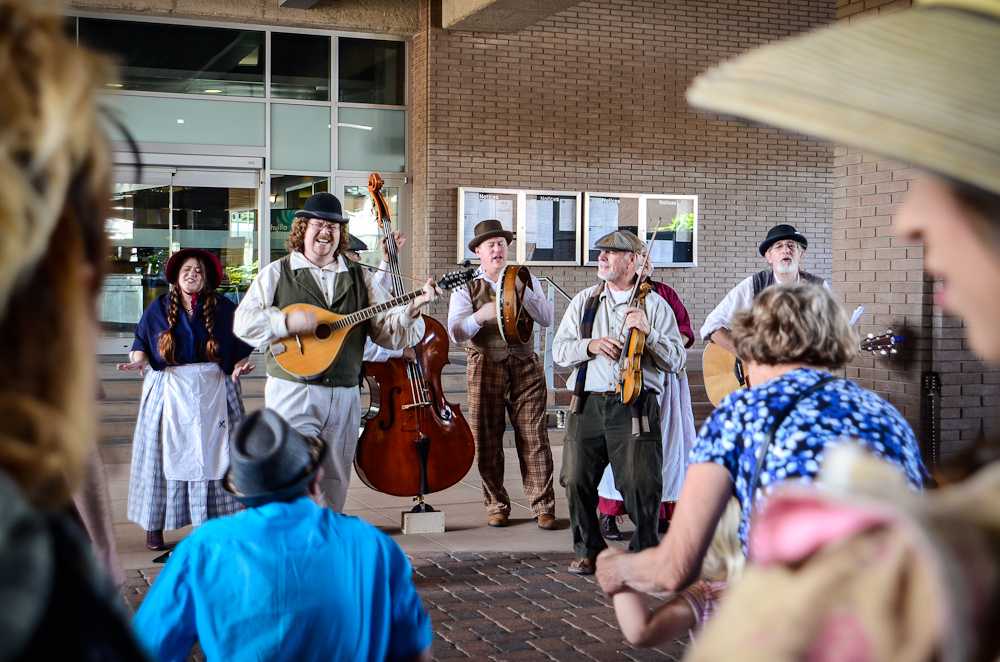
column 155, row 503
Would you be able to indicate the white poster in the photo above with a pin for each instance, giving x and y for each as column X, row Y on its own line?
column 567, row 214
column 542, row 225
column 602, row 217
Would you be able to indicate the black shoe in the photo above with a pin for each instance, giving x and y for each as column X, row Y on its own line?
column 154, row 541
column 609, row 528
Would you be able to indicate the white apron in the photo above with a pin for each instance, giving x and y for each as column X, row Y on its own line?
column 677, row 428
column 195, row 423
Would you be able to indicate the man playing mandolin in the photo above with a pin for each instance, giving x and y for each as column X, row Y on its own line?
column 601, row 429
column 504, row 375
column 316, row 272
column 783, row 248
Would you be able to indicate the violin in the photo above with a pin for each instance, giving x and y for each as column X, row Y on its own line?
column 629, row 384
column 417, row 442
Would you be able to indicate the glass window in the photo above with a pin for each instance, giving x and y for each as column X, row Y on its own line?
column 189, row 121
column 371, row 139
column 359, row 208
column 672, row 220
column 609, row 213
column 181, row 59
column 550, row 225
column 371, row 71
column 148, row 222
column 480, row 205
column 300, row 66
column 300, row 137
column 288, row 195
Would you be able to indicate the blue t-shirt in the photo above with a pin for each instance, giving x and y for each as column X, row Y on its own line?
column 285, row 581
column 841, row 410
column 190, row 334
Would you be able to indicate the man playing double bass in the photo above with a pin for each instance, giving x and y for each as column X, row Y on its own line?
column 503, row 376
column 601, row 429
column 316, row 272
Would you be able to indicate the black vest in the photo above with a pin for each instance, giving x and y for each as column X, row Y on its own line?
column 765, row 279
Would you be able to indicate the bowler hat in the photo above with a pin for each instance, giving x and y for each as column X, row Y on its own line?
column 780, row 232
column 270, row 461
column 324, row 206
column 213, row 275
column 356, row 244
column 620, row 240
column 913, row 85
column 488, row 229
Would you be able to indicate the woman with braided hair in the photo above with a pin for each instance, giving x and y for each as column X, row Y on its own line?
column 189, row 408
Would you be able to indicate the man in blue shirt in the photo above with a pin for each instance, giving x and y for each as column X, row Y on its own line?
column 286, row 579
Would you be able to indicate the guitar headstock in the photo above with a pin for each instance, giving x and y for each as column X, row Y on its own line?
column 882, row 344
column 454, row 279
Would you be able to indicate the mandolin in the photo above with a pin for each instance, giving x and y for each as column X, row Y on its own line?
column 308, row 355
column 724, row 372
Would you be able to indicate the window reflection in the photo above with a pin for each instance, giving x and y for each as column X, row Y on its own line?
column 288, row 195
column 300, row 66
column 371, row 71
column 185, row 59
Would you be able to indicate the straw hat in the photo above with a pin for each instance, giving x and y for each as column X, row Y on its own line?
column 918, row 85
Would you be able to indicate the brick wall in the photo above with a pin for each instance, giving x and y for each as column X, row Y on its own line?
column 886, row 274
column 592, row 99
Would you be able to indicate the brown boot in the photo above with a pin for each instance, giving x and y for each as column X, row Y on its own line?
column 497, row 519
column 584, row 566
column 546, row 521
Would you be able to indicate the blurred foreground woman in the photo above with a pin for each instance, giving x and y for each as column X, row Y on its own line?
column 54, row 185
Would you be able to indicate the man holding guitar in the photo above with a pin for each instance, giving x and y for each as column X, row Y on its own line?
column 783, row 248
column 316, row 272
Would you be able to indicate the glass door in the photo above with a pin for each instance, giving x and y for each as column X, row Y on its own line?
column 166, row 210
column 358, row 207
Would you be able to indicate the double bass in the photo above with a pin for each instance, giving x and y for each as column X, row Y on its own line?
column 417, row 443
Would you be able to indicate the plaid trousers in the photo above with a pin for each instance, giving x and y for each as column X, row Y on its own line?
column 515, row 385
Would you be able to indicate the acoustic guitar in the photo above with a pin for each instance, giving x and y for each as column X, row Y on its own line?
column 309, row 355
column 724, row 372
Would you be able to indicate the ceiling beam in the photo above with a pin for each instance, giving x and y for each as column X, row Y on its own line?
column 497, row 15
column 297, row 4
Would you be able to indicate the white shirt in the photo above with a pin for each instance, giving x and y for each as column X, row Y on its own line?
column 664, row 345
column 462, row 324
column 739, row 298
column 257, row 322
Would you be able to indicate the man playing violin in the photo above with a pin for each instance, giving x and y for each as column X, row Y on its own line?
column 601, row 429
column 316, row 272
column 783, row 248
column 502, row 376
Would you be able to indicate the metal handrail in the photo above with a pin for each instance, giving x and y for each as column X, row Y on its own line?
column 549, row 332
column 557, row 287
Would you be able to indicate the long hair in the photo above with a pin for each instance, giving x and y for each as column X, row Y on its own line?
column 724, row 560
column 297, row 236
column 55, row 172
column 167, row 343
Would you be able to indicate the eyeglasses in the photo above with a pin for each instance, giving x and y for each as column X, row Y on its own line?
column 319, row 225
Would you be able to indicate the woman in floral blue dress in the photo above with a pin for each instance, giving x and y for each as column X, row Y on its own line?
column 791, row 339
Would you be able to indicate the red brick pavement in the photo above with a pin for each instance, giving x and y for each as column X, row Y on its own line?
column 507, row 606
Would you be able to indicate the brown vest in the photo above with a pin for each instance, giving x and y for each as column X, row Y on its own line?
column 488, row 341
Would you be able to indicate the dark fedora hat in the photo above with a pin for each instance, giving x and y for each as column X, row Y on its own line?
column 779, row 232
column 488, row 229
column 270, row 461
column 325, row 206
column 356, row 244
column 213, row 275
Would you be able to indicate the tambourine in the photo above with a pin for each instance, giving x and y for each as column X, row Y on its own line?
column 514, row 321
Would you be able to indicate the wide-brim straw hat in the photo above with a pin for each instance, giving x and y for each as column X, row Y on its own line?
column 918, row 85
